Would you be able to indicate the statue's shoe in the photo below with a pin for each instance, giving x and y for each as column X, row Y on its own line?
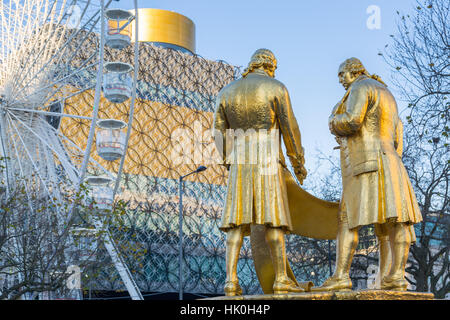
column 394, row 284
column 335, row 284
column 286, row 286
column 232, row 288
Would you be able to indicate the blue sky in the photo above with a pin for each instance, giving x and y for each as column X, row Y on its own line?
column 309, row 38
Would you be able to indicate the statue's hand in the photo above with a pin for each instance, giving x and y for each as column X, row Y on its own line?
column 330, row 126
column 297, row 162
column 300, row 173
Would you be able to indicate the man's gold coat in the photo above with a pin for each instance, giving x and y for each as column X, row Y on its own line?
column 376, row 186
column 260, row 103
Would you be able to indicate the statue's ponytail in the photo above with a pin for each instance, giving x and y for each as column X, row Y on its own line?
column 355, row 66
column 375, row 77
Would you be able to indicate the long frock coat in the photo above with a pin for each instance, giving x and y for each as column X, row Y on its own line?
column 251, row 116
column 376, row 186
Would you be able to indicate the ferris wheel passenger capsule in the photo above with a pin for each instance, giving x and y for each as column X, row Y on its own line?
column 118, row 34
column 100, row 194
column 110, row 139
column 117, row 82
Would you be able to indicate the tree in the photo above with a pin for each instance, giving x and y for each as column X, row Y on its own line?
column 38, row 249
column 428, row 167
column 420, row 60
column 33, row 251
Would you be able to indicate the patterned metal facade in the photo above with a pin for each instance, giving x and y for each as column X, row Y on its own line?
column 175, row 94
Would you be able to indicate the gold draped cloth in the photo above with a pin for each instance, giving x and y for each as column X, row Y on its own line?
column 376, row 186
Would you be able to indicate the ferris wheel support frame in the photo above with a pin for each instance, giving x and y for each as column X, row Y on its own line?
column 119, row 263
column 121, row 266
column 108, row 241
column 30, row 141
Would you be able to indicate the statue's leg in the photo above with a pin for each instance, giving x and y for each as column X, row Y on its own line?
column 275, row 240
column 282, row 283
column 235, row 238
column 347, row 241
column 400, row 241
column 384, row 253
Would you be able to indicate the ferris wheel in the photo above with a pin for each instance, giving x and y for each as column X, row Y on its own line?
column 43, row 64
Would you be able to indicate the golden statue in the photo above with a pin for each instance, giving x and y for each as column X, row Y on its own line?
column 258, row 106
column 376, row 186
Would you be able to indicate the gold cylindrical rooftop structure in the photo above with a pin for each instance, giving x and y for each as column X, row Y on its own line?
column 162, row 26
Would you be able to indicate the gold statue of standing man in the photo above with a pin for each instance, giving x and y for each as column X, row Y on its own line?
column 376, row 186
column 259, row 107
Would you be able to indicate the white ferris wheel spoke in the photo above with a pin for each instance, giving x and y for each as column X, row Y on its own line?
column 60, row 89
column 23, row 178
column 72, row 144
column 59, row 55
column 60, row 50
column 49, row 113
column 73, row 94
column 51, row 169
column 77, row 71
column 5, row 152
column 53, row 177
column 36, row 169
column 64, row 161
column 31, row 23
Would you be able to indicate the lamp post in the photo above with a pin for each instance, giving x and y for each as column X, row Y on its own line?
column 180, row 229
